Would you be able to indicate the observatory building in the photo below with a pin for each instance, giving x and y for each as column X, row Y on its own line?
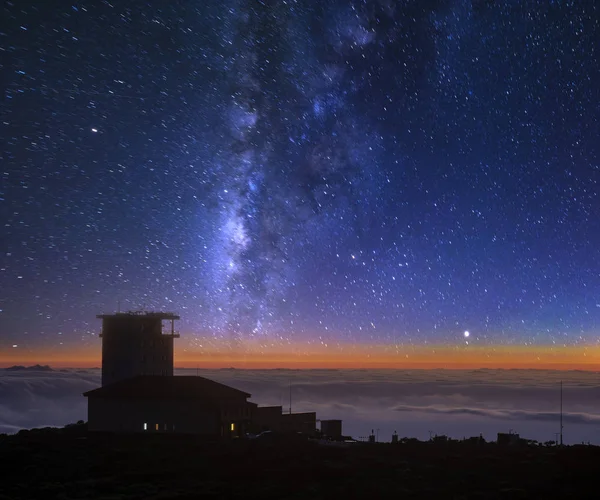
column 139, row 393
column 136, row 343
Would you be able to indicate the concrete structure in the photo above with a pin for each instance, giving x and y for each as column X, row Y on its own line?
column 508, row 438
column 331, row 428
column 272, row 418
column 190, row 405
column 133, row 343
column 266, row 418
column 306, row 422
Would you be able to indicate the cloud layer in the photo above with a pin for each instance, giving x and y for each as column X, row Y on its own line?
column 412, row 402
column 30, row 398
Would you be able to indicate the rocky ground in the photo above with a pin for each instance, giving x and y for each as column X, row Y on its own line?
column 70, row 464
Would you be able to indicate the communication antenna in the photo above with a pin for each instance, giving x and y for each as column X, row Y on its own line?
column 561, row 413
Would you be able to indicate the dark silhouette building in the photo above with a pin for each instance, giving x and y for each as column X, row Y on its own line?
column 267, row 418
column 508, row 438
column 140, row 394
column 304, row 422
column 331, row 428
column 134, row 343
column 272, row 418
column 186, row 405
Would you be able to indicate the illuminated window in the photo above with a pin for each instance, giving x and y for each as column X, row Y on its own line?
column 145, row 426
column 156, row 427
column 232, row 427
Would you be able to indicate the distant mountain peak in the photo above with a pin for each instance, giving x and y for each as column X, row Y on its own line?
column 34, row 368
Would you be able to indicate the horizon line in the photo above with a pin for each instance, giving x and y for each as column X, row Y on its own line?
column 305, row 366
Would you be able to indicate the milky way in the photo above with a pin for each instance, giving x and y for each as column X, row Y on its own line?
column 394, row 172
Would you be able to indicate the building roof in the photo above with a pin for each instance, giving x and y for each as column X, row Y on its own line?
column 140, row 314
column 167, row 387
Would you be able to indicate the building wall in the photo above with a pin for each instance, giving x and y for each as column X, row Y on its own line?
column 266, row 418
column 299, row 422
column 236, row 417
column 331, row 428
column 109, row 415
column 186, row 417
column 505, row 439
column 134, row 345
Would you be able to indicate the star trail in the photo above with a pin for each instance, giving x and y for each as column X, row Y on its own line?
column 408, row 173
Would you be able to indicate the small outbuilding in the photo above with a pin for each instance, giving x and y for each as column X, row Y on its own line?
column 180, row 404
column 331, row 428
column 508, row 438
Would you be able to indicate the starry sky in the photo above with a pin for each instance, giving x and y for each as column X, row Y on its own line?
column 300, row 173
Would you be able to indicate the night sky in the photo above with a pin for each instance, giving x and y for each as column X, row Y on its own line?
column 298, row 173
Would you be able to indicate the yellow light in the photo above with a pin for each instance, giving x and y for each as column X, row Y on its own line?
column 232, row 427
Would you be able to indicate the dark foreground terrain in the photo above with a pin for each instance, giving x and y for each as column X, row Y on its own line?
column 69, row 464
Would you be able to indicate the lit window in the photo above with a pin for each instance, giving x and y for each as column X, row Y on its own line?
column 145, row 426
column 232, row 427
column 156, row 427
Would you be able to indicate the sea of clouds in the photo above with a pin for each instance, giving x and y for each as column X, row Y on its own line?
column 415, row 403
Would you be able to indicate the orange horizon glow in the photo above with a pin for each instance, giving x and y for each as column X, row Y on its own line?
column 344, row 356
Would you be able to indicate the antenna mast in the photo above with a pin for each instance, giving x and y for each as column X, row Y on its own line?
column 561, row 413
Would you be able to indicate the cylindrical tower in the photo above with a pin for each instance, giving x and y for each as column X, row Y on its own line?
column 133, row 343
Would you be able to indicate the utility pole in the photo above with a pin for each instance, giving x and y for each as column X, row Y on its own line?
column 561, row 413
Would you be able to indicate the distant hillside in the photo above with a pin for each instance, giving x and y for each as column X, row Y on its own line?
column 34, row 368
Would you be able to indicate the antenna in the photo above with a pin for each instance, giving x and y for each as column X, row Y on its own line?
column 561, row 413
column 290, row 396
column 119, row 306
